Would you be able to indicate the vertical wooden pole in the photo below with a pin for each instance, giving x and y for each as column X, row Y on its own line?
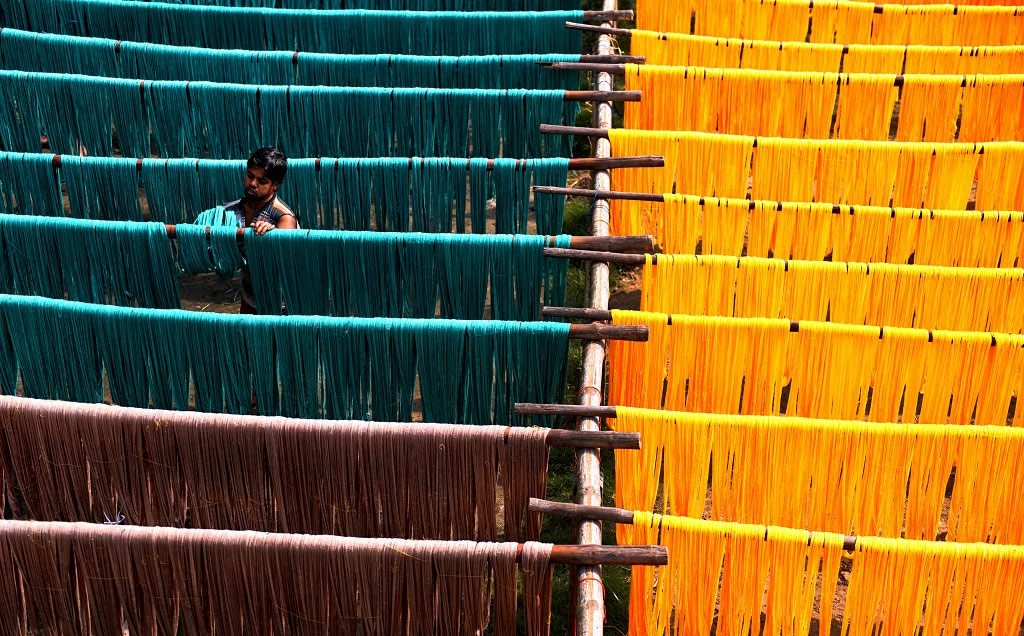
column 590, row 610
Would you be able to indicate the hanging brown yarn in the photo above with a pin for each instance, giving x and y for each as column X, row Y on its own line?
column 75, row 462
column 90, row 578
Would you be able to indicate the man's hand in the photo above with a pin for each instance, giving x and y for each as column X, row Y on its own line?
column 262, row 227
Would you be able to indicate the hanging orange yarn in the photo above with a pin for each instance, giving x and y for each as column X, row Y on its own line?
column 852, row 293
column 962, row 60
column 737, row 572
column 816, row 231
column 929, row 107
column 865, row 106
column 868, row 58
column 741, row 365
column 763, row 471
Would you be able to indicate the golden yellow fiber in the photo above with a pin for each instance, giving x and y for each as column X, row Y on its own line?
column 961, row 60
column 840, row 21
column 801, row 104
column 741, row 365
column 914, row 175
column 826, row 475
column 871, row 58
column 921, row 296
column 814, row 231
column 897, row 586
column 929, row 107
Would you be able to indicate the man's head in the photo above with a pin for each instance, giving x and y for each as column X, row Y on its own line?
column 264, row 173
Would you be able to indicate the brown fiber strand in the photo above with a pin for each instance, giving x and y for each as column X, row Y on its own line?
column 97, row 463
column 93, row 578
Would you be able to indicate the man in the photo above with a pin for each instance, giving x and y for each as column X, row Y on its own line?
column 260, row 208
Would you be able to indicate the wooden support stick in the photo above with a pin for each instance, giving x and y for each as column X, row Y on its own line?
column 618, row 515
column 593, row 28
column 635, row 333
column 609, row 554
column 581, row 313
column 611, row 59
column 579, row 131
column 610, row 163
column 611, row 69
column 601, row 96
column 611, row 243
column 608, row 16
column 595, row 256
column 592, row 439
column 565, row 410
column 599, row 194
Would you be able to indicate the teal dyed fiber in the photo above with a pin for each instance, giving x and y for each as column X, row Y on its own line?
column 411, row 5
column 471, row 32
column 200, row 119
column 107, row 262
column 337, row 368
column 53, row 53
column 29, row 185
column 407, row 275
column 102, row 187
column 215, row 250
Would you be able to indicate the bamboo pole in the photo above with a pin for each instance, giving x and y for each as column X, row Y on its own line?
column 604, row 67
column 610, row 59
column 645, row 196
column 616, row 515
column 579, row 131
column 577, row 313
column 589, row 592
column 603, row 30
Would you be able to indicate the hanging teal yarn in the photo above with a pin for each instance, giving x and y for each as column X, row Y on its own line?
column 210, row 245
column 104, row 262
column 411, row 5
column 387, row 194
column 409, row 275
column 472, row 32
column 102, row 187
column 29, row 185
column 224, row 121
column 52, row 53
column 336, row 368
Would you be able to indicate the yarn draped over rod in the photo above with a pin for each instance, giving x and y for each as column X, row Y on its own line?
column 52, row 53
column 852, row 293
column 105, row 262
column 825, row 370
column 226, row 121
column 907, row 586
column 409, row 5
column 94, row 578
column 334, row 368
column 74, row 462
column 841, row 495
column 410, row 32
column 817, row 231
column 405, row 275
column 680, row 49
column 392, row 194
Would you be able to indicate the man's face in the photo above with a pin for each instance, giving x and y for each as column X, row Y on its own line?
column 257, row 186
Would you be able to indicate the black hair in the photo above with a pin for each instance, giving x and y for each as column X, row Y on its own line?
column 272, row 161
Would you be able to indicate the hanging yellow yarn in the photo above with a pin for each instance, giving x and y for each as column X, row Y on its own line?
column 678, row 49
column 753, row 563
column 840, row 21
column 929, row 107
column 868, row 58
column 923, row 174
column 865, row 106
column 993, row 108
column 961, row 60
column 741, row 365
column 769, row 479
column 743, row 101
column 790, row 56
column 852, row 293
column 897, row 586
